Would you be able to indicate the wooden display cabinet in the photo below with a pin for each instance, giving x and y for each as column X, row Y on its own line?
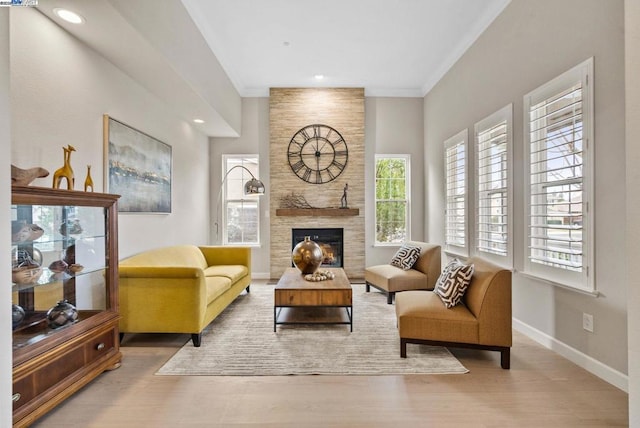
column 64, row 249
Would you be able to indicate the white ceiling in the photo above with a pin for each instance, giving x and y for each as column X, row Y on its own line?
column 389, row 47
column 193, row 53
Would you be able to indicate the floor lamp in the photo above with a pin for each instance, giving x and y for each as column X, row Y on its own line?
column 252, row 187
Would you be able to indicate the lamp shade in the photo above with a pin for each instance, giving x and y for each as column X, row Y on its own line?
column 254, row 187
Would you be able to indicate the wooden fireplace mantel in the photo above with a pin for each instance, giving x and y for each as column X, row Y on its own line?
column 317, row 212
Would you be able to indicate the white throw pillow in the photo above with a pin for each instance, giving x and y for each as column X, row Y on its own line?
column 406, row 257
column 453, row 282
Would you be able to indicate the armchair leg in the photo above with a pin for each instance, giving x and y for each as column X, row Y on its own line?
column 390, row 296
column 505, row 358
column 196, row 338
column 367, row 287
column 403, row 348
column 248, row 291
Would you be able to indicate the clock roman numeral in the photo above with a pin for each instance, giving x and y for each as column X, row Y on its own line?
column 304, row 134
column 331, row 176
column 329, row 134
column 298, row 166
column 337, row 164
column 316, row 131
column 341, row 153
column 307, row 174
column 318, row 177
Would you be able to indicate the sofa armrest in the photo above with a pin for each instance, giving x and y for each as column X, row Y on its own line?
column 162, row 304
column 225, row 255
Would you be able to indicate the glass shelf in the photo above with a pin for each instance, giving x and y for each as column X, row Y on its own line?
column 51, row 277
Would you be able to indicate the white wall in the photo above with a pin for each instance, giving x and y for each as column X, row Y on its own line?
column 393, row 126
column 526, row 46
column 254, row 139
column 59, row 91
column 5, row 189
column 632, row 80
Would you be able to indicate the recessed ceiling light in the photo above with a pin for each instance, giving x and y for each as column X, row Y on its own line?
column 68, row 15
column 319, row 76
column 198, row 121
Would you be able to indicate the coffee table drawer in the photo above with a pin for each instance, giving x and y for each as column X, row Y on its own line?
column 313, row 297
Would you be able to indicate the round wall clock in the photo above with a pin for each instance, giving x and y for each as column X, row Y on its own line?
column 317, row 154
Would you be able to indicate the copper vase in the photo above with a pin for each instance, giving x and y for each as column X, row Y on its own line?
column 307, row 256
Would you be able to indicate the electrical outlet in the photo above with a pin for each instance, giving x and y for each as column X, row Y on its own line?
column 587, row 322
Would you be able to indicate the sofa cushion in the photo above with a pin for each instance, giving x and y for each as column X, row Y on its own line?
column 453, row 282
column 216, row 285
column 178, row 255
column 406, row 256
column 233, row 272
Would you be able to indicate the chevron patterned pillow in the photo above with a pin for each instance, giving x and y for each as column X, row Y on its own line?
column 453, row 282
column 406, row 257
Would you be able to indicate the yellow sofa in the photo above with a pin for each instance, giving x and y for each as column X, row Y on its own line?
column 482, row 320
column 180, row 289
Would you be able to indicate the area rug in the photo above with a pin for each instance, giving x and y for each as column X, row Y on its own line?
column 241, row 342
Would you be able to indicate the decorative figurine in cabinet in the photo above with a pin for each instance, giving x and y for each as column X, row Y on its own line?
column 64, row 295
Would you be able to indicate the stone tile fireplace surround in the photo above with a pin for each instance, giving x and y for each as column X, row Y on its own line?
column 291, row 109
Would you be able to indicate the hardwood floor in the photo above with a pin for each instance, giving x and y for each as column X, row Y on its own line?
column 541, row 389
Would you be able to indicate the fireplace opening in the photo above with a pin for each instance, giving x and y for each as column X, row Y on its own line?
column 329, row 239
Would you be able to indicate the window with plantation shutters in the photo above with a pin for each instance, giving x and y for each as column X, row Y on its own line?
column 455, row 164
column 558, row 122
column 493, row 186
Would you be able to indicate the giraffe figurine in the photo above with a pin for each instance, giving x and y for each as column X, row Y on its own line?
column 65, row 171
column 88, row 182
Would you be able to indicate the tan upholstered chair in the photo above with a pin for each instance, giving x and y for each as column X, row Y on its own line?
column 422, row 276
column 482, row 320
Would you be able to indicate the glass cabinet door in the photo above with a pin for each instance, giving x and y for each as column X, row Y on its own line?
column 58, row 260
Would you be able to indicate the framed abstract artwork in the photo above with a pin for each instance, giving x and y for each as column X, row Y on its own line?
column 137, row 167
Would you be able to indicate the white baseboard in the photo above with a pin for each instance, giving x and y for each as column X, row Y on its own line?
column 260, row 275
column 604, row 372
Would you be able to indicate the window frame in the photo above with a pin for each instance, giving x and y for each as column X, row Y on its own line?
column 407, row 200
column 584, row 279
column 461, row 138
column 496, row 119
column 242, row 159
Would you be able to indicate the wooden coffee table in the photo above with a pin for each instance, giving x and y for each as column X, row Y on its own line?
column 294, row 292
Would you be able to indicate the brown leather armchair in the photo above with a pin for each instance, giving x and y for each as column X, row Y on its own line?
column 482, row 320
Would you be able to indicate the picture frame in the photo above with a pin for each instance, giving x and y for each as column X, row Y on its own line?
column 137, row 167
